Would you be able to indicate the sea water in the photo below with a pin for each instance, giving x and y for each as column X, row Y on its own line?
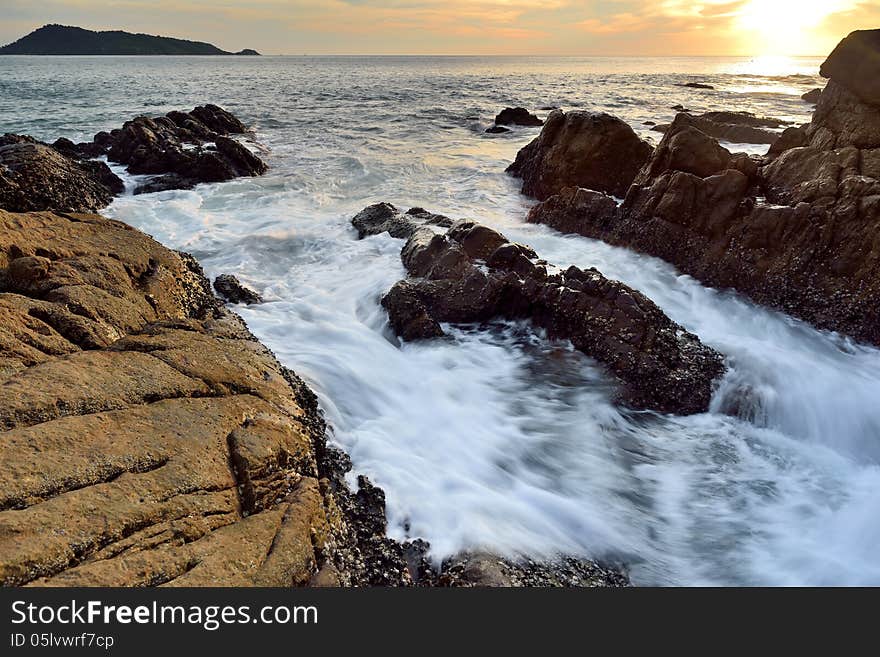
column 496, row 437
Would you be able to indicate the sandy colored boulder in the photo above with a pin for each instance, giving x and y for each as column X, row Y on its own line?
column 147, row 438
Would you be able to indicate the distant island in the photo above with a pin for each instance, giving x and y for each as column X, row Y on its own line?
column 66, row 40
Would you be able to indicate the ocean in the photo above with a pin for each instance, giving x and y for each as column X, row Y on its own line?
column 497, row 437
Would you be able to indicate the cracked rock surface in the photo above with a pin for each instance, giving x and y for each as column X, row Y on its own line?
column 147, row 438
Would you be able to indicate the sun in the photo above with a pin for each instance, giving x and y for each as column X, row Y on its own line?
column 785, row 27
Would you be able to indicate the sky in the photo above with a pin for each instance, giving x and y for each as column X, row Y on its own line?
column 506, row 27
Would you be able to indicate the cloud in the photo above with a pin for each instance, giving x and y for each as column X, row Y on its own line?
column 612, row 27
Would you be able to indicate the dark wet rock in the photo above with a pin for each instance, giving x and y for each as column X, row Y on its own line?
column 793, row 137
column 812, row 96
column 696, row 85
column 385, row 218
column 798, row 230
column 649, row 123
column 736, row 127
column 164, row 183
column 576, row 210
column 581, row 149
column 517, row 116
column 231, row 289
column 680, row 108
column 497, row 130
column 548, row 108
column 841, row 119
column 407, row 314
column 484, row 569
column 472, row 273
column 187, row 148
column 35, row 176
column 854, row 63
column 381, row 218
column 689, row 149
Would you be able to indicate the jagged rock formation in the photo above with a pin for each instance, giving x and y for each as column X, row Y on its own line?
column 660, row 365
column 181, row 149
column 580, row 149
column 35, row 176
column 798, row 230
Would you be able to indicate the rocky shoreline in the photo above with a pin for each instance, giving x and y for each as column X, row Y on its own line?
column 795, row 230
column 148, row 437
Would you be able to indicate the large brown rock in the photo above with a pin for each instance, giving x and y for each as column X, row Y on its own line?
column 854, row 64
column 580, row 149
column 660, row 366
column 800, row 232
column 147, row 438
column 35, row 176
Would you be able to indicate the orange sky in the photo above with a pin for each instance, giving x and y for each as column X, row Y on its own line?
column 552, row 27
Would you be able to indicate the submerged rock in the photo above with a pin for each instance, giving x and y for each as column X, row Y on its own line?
column 472, row 273
column 231, row 289
column 812, row 96
column 517, row 116
column 696, row 85
column 497, row 130
column 798, row 230
column 736, row 127
column 580, row 149
column 35, row 176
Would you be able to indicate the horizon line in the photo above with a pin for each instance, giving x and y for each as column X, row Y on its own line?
column 366, row 54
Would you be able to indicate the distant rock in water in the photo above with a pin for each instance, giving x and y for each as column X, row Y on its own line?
column 812, row 96
column 580, row 149
column 248, row 52
column 35, row 176
column 696, row 85
column 182, row 149
column 231, row 289
column 736, row 127
column 517, row 116
column 798, row 230
column 66, row 40
column 497, row 130
column 472, row 273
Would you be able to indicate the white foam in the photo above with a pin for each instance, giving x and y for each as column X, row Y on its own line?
column 502, row 439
